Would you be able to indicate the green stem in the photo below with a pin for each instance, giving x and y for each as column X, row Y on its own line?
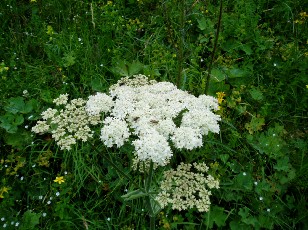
column 147, row 185
column 152, row 222
column 181, row 44
column 117, row 168
column 149, row 179
column 214, row 50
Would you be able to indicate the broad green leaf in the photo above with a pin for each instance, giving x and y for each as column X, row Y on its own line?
column 9, row 122
column 244, row 181
column 134, row 68
column 18, row 139
column 15, row 105
column 217, row 75
column 237, row 73
column 121, row 69
column 30, row 106
column 224, row 157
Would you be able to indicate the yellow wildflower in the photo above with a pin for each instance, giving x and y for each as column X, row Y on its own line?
column 3, row 190
column 32, row 0
column 59, row 179
column 307, row 86
column 220, row 97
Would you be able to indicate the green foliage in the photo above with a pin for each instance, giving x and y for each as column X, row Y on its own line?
column 18, row 112
column 81, row 47
column 30, row 220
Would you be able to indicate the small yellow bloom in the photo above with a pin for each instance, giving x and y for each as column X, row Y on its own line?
column 59, row 179
column 4, row 189
column 307, row 86
column 32, row 0
column 220, row 97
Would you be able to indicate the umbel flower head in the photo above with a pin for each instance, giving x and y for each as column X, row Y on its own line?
column 151, row 114
column 147, row 110
column 184, row 189
column 68, row 123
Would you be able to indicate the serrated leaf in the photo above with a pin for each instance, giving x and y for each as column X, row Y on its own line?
column 282, row 164
column 215, row 215
column 219, row 216
column 247, row 49
column 256, row 94
column 244, row 212
column 69, row 59
column 246, row 217
column 255, row 124
column 237, row 225
column 205, row 25
column 30, row 220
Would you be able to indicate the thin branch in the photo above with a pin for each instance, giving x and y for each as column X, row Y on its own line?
column 214, row 50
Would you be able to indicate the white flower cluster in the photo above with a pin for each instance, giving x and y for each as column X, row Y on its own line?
column 150, row 109
column 67, row 124
column 99, row 103
column 114, row 132
column 153, row 146
column 184, row 189
column 152, row 113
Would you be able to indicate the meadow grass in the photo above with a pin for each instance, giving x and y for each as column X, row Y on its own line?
column 80, row 47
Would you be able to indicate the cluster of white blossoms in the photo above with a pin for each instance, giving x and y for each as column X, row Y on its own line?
column 150, row 114
column 184, row 189
column 98, row 103
column 67, row 124
column 147, row 110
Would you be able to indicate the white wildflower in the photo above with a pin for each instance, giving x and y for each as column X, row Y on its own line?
column 61, row 100
column 153, row 146
column 98, row 103
column 115, row 132
column 184, row 189
column 187, row 138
